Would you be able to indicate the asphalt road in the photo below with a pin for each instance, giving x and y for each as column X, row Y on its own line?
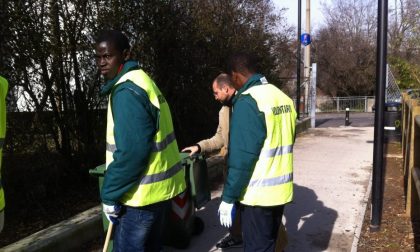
column 324, row 120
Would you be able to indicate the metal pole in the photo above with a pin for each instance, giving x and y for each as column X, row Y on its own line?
column 313, row 95
column 386, row 84
column 298, row 61
column 396, row 12
column 307, row 60
column 377, row 176
column 338, row 104
column 366, row 102
column 347, row 118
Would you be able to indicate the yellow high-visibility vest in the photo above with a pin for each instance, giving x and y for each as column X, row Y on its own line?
column 4, row 85
column 271, row 182
column 164, row 177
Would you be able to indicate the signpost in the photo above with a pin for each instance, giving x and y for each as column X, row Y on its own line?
column 378, row 172
column 305, row 39
column 298, row 62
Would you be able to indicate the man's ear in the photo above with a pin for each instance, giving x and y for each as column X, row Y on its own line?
column 126, row 54
column 225, row 89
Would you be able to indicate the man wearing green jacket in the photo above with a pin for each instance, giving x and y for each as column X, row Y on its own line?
column 143, row 168
column 260, row 162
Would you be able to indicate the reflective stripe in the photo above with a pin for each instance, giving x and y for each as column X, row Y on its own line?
column 156, row 147
column 1, row 142
column 165, row 142
column 281, row 150
column 111, row 147
column 161, row 176
column 271, row 181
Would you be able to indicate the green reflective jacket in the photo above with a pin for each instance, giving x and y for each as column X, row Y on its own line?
column 134, row 137
column 248, row 132
column 4, row 85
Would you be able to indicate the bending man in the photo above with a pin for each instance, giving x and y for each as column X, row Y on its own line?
column 223, row 92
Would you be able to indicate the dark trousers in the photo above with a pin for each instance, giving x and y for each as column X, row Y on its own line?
column 140, row 228
column 260, row 227
column 236, row 230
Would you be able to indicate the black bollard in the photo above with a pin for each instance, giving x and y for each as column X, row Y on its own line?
column 347, row 121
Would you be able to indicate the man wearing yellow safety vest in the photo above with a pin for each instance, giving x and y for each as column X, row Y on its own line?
column 260, row 162
column 3, row 92
column 143, row 168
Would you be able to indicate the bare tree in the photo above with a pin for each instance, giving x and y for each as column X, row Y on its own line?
column 53, row 71
column 354, row 18
column 182, row 44
column 404, row 43
column 345, row 48
column 404, row 30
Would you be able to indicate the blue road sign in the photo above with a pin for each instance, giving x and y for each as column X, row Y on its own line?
column 305, row 39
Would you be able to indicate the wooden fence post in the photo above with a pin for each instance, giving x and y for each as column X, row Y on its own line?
column 410, row 153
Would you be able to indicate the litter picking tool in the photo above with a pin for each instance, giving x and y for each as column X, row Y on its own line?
column 108, row 237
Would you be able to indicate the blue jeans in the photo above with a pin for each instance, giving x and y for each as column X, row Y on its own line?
column 140, row 228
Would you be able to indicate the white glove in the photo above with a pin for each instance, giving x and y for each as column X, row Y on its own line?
column 111, row 212
column 226, row 213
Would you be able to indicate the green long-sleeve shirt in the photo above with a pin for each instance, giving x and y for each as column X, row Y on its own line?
column 135, row 124
column 246, row 139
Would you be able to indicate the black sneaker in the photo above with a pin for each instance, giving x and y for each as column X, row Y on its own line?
column 229, row 242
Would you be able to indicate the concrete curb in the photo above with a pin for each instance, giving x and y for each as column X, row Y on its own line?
column 361, row 219
column 67, row 235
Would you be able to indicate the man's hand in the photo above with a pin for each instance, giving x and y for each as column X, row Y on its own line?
column 226, row 213
column 193, row 149
column 111, row 212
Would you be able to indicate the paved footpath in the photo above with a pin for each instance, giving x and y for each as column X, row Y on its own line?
column 332, row 171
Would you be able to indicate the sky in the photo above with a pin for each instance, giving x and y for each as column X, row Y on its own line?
column 317, row 18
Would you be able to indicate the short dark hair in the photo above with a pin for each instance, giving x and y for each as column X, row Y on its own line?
column 242, row 62
column 223, row 79
column 117, row 38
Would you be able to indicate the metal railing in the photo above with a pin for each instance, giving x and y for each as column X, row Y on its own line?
column 339, row 104
column 357, row 103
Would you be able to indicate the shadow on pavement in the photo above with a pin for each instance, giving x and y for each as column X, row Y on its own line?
column 213, row 232
column 319, row 122
column 309, row 223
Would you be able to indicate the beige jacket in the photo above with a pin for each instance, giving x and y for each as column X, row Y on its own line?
column 220, row 140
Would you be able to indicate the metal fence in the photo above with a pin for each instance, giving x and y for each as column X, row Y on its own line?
column 392, row 92
column 339, row 104
column 354, row 103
